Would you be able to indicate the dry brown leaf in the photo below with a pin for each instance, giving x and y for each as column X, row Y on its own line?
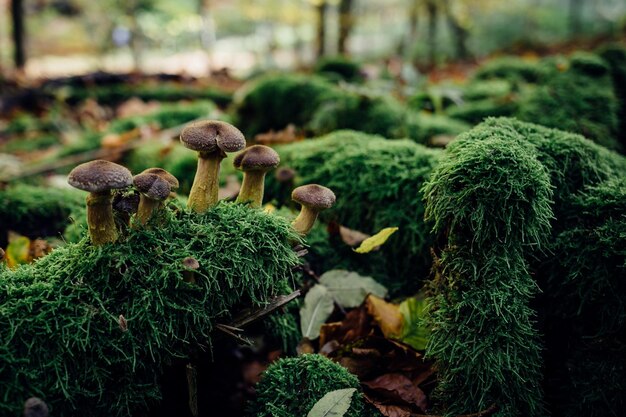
column 398, row 387
column 287, row 135
column 352, row 237
column 387, row 316
column 390, row 410
column 230, row 189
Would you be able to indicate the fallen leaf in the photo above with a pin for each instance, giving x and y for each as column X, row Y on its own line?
column 387, row 316
column 230, row 189
column 414, row 331
column 389, row 410
column 349, row 289
column 374, row 242
column 352, row 237
column 317, row 307
column 333, row 404
column 398, row 387
column 18, row 251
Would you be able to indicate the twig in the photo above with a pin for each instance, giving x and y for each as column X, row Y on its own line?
column 248, row 316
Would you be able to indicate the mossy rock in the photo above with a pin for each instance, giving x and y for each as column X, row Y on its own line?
column 275, row 101
column 474, row 112
column 424, row 128
column 290, row 387
column 339, row 69
column 370, row 114
column 377, row 183
column 37, row 211
column 579, row 98
column 513, row 69
column 90, row 329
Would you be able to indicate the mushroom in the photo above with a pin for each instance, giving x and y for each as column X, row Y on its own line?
column 35, row 407
column 99, row 178
column 255, row 161
column 190, row 264
column 211, row 139
column 313, row 198
column 153, row 191
column 172, row 180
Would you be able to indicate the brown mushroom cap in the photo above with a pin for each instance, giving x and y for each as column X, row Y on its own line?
column 191, row 263
column 314, row 196
column 97, row 176
column 284, row 174
column 256, row 158
column 152, row 186
column 172, row 180
column 207, row 136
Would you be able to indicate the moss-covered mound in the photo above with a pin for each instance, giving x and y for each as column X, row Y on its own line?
column 510, row 68
column 489, row 199
column 273, row 102
column 90, row 329
column 377, row 183
column 427, row 129
column 579, row 99
column 504, row 190
column 339, row 69
column 36, row 211
column 615, row 58
column 291, row 387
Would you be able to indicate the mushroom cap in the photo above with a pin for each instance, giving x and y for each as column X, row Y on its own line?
column 207, row 136
column 191, row 263
column 152, row 186
column 172, row 180
column 35, row 407
column 284, row 174
column 256, row 158
column 97, row 176
column 314, row 196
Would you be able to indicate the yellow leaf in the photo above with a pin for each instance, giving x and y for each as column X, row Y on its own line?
column 375, row 241
column 18, row 251
column 387, row 316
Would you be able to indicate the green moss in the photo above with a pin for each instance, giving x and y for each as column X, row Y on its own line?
column 474, row 112
column 61, row 336
column 423, row 127
column 275, row 101
column 291, row 387
column 29, row 144
column 484, row 89
column 369, row 114
column 377, row 183
column 513, row 69
column 579, row 99
column 615, row 57
column 489, row 200
column 36, row 211
column 339, row 68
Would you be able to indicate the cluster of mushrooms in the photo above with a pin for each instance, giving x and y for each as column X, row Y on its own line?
column 212, row 140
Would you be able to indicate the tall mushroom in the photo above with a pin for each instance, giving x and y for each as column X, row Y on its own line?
column 99, row 178
column 313, row 198
column 153, row 191
column 211, row 139
column 172, row 180
column 255, row 161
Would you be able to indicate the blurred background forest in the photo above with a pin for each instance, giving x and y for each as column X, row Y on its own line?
column 61, row 37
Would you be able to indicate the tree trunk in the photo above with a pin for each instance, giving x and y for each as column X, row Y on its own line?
column 322, row 8
column 346, row 23
column 17, row 15
column 433, row 15
column 458, row 31
column 207, row 33
column 575, row 16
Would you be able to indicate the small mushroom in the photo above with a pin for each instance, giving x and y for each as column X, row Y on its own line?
column 172, row 180
column 211, row 139
column 153, row 190
column 99, row 178
column 190, row 264
column 313, row 198
column 255, row 162
column 35, row 407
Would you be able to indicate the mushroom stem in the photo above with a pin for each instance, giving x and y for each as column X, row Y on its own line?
column 205, row 186
column 305, row 220
column 147, row 207
column 100, row 218
column 252, row 188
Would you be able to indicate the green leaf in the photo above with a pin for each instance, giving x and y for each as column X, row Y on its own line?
column 317, row 307
column 349, row 289
column 333, row 404
column 18, row 251
column 414, row 331
column 376, row 241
